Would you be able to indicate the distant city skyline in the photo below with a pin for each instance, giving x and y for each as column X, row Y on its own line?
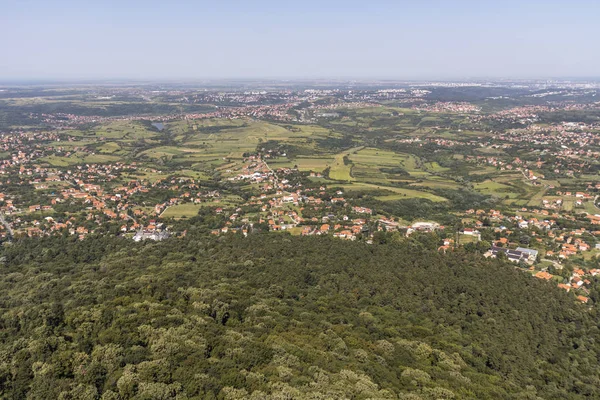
column 185, row 40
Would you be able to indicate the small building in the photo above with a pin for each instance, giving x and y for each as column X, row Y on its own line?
column 532, row 254
column 151, row 235
column 512, row 255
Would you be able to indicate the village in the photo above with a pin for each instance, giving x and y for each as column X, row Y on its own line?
column 541, row 177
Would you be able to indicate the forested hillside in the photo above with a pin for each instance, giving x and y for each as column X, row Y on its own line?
column 282, row 317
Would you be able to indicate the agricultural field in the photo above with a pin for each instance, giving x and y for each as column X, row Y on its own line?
column 483, row 170
column 339, row 169
column 109, row 147
column 303, row 163
column 497, row 189
column 181, row 211
column 435, row 167
column 188, row 210
column 376, row 165
column 591, row 208
column 167, row 151
column 435, row 182
column 179, row 129
column 118, row 130
column 125, row 130
column 377, row 157
column 201, row 148
column 80, row 158
column 396, row 193
column 204, row 147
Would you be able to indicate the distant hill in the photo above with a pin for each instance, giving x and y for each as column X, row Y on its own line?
column 278, row 317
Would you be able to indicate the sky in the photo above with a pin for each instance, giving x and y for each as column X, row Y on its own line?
column 371, row 39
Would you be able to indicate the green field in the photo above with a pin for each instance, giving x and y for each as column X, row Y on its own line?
column 435, row 167
column 166, row 151
column 80, row 158
column 497, row 189
column 464, row 239
column 591, row 208
column 109, row 147
column 483, row 170
column 339, row 170
column 437, row 183
column 190, row 209
column 396, row 192
column 377, row 157
column 119, row 130
column 303, row 163
column 181, row 211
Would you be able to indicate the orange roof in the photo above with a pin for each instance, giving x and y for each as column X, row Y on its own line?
column 543, row 275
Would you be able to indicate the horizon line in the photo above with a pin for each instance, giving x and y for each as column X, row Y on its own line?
column 349, row 79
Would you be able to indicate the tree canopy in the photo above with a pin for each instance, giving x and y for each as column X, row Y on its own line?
column 282, row 317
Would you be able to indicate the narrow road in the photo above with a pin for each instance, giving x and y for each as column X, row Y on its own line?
column 163, row 211
column 276, row 178
column 6, row 225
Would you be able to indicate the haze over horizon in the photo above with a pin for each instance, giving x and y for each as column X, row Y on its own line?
column 68, row 40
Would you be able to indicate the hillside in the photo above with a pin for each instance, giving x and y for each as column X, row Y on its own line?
column 282, row 317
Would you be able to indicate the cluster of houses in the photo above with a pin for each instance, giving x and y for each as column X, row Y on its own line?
column 103, row 191
column 579, row 281
column 116, row 193
column 552, row 243
column 449, row 106
column 559, row 243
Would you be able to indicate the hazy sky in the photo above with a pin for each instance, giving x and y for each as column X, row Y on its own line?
column 84, row 39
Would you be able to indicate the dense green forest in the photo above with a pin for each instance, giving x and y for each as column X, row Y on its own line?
column 282, row 317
